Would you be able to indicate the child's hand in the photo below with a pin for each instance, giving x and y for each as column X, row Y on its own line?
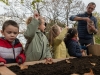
column 88, row 45
column 36, row 15
column 1, row 63
column 20, row 61
column 83, row 53
column 48, row 61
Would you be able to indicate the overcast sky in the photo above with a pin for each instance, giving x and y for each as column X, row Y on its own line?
column 97, row 2
column 85, row 1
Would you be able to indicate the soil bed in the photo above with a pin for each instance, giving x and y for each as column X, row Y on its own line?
column 76, row 65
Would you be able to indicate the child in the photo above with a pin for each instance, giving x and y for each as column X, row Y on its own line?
column 71, row 41
column 11, row 50
column 56, row 37
column 37, row 46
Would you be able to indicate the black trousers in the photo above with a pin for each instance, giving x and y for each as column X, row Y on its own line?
column 84, row 42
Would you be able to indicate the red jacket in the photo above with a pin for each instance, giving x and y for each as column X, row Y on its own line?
column 11, row 53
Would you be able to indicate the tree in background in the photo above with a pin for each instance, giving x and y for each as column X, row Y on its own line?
column 18, row 10
column 97, row 36
column 54, row 11
column 61, row 10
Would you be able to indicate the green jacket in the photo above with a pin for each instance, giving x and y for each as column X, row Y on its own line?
column 37, row 46
column 59, row 48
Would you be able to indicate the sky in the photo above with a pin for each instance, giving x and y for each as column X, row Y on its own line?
column 97, row 2
column 85, row 1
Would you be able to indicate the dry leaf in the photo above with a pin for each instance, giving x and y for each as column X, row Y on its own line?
column 90, row 73
column 22, row 67
column 93, row 64
column 68, row 61
column 47, row 62
column 50, row 62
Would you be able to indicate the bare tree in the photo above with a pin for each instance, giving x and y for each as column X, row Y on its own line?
column 61, row 9
column 18, row 11
column 55, row 10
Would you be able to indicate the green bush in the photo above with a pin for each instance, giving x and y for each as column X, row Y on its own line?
column 97, row 39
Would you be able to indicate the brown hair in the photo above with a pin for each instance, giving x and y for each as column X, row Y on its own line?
column 9, row 22
column 53, row 33
column 70, row 34
column 28, row 20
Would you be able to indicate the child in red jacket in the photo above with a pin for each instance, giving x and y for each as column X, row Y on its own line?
column 11, row 49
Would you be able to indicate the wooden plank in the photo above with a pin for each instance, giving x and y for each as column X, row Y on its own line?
column 35, row 62
column 26, row 63
column 5, row 71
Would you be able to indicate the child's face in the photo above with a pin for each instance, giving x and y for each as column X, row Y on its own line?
column 10, row 33
column 42, row 26
column 76, row 35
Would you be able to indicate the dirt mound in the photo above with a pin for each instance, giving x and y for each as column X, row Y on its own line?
column 75, row 66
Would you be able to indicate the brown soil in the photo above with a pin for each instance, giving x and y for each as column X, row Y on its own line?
column 76, row 65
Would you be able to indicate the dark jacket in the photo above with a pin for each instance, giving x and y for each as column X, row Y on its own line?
column 74, row 48
column 82, row 26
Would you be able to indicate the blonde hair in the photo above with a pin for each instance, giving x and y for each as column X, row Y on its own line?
column 53, row 33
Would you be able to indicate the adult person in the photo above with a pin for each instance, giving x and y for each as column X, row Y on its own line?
column 84, row 37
